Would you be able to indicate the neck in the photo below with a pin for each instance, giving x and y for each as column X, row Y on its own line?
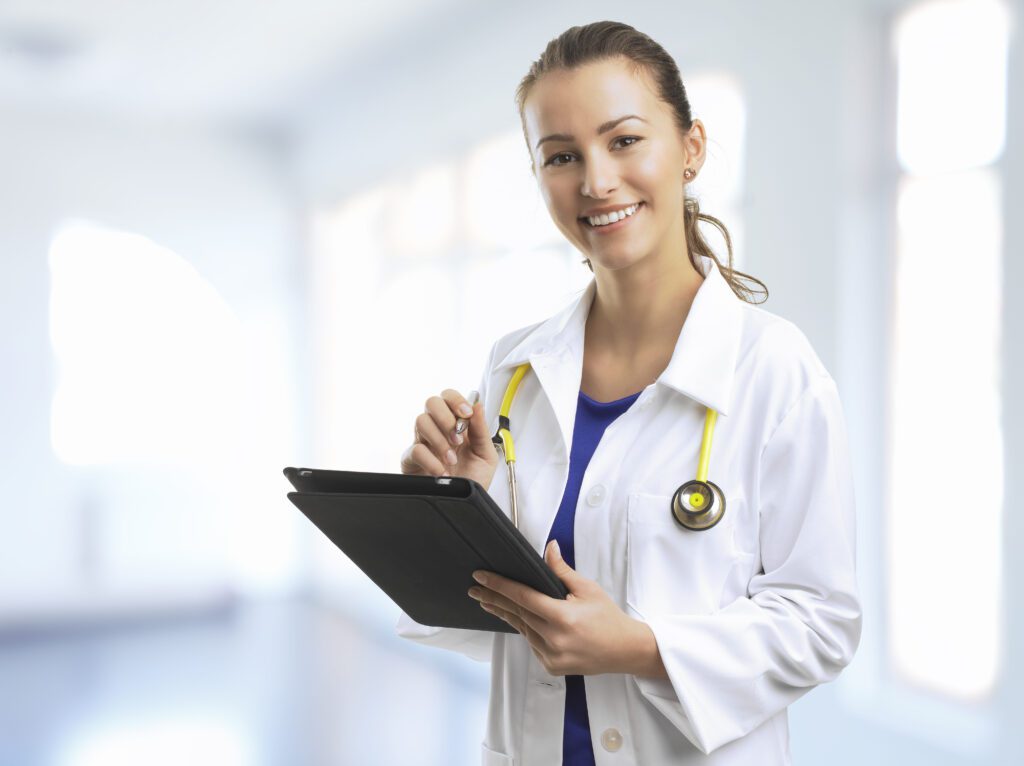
column 641, row 308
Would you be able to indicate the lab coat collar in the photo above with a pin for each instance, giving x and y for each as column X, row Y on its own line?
column 703, row 363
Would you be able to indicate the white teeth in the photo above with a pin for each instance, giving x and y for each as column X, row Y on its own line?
column 617, row 215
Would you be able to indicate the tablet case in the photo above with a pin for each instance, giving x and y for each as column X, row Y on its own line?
column 420, row 538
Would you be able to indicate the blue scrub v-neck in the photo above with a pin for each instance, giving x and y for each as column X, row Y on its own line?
column 592, row 418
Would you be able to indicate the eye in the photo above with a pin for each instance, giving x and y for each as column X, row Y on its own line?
column 552, row 159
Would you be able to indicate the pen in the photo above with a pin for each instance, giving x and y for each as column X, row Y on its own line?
column 461, row 423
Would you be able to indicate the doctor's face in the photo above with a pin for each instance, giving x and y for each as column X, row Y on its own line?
column 608, row 143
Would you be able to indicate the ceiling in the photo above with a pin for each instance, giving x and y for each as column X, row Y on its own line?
column 232, row 60
column 248, row 61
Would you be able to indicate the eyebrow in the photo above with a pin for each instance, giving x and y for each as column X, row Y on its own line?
column 604, row 127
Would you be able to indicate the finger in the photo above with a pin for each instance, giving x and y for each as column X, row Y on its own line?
column 418, row 459
column 478, row 432
column 430, row 434
column 523, row 595
column 461, row 407
column 504, row 616
column 494, row 599
column 531, row 634
column 444, row 418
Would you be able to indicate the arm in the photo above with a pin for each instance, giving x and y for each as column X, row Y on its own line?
column 475, row 644
column 730, row 671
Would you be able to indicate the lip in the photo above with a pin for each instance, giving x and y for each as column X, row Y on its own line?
column 608, row 209
column 613, row 227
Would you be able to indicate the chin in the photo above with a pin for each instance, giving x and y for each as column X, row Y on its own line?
column 615, row 261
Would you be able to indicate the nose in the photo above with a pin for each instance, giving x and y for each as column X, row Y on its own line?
column 600, row 177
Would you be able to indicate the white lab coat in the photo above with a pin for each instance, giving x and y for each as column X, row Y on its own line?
column 749, row 615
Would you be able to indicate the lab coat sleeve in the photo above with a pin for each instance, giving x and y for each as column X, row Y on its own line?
column 800, row 623
column 475, row 644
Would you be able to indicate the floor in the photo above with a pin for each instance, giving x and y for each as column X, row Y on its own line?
column 252, row 684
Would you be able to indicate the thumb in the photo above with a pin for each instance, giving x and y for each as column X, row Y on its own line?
column 553, row 558
column 479, row 439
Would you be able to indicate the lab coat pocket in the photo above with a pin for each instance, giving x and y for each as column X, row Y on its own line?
column 494, row 758
column 671, row 569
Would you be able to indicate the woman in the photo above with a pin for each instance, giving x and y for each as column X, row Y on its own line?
column 675, row 645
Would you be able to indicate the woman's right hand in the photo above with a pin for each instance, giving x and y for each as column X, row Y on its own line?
column 434, row 438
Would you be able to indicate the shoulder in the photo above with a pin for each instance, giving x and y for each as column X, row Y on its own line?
column 503, row 345
column 776, row 364
column 778, row 346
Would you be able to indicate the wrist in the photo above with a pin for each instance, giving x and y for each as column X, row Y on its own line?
column 644, row 659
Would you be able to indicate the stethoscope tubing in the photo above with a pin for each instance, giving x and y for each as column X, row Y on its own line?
column 697, row 505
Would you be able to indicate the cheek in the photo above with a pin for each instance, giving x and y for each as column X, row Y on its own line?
column 656, row 169
column 656, row 177
column 558, row 196
column 561, row 203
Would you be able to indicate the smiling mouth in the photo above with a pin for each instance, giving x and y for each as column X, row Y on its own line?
column 615, row 224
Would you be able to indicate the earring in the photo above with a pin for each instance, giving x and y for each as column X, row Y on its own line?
column 689, row 173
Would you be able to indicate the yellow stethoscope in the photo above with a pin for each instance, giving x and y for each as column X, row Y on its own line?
column 698, row 504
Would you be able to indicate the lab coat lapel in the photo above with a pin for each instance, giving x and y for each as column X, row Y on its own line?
column 554, row 350
column 703, row 363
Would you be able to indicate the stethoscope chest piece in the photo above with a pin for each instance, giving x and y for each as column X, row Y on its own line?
column 698, row 505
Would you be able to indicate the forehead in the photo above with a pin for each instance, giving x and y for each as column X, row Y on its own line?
column 577, row 101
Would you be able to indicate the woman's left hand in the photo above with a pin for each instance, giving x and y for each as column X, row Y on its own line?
column 585, row 634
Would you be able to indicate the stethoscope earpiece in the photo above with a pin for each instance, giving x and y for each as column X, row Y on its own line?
column 698, row 504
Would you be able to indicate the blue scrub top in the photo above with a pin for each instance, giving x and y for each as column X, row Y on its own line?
column 592, row 418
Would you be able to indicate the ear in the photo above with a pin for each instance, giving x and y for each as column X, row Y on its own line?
column 695, row 145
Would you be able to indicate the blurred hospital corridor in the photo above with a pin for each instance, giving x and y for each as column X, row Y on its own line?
column 236, row 237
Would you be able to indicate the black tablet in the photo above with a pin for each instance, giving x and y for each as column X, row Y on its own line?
column 420, row 538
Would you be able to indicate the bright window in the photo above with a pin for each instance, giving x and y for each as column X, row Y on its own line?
column 945, row 502
column 146, row 351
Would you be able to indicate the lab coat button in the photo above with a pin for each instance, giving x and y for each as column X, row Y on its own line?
column 611, row 740
column 596, row 495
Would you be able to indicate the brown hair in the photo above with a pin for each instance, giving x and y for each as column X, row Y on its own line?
column 602, row 40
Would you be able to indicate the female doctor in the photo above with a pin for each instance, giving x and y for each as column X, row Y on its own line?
column 676, row 645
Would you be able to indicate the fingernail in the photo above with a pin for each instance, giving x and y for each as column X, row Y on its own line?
column 457, row 438
column 466, row 410
column 450, row 457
